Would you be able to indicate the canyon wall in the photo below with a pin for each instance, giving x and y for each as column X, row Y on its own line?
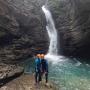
column 23, row 31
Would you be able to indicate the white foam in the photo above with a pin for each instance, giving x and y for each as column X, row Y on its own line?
column 54, row 58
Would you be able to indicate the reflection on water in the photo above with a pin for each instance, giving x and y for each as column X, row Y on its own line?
column 68, row 74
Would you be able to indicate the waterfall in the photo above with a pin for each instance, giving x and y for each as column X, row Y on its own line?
column 52, row 32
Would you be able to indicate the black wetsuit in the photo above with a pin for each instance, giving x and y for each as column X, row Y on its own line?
column 44, row 68
column 37, row 70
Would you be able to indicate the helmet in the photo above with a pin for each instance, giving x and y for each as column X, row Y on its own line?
column 38, row 55
column 42, row 55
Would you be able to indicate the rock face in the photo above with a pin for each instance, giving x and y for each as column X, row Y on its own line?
column 8, row 72
column 22, row 33
column 72, row 19
column 22, row 30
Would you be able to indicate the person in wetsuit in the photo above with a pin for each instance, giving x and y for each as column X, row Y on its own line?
column 44, row 67
column 37, row 69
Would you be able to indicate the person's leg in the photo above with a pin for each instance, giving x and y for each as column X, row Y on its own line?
column 46, row 77
column 40, row 76
column 36, row 77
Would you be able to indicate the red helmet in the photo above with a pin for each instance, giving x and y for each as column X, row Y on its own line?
column 42, row 55
column 38, row 55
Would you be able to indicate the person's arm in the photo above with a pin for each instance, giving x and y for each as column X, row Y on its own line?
column 41, row 66
column 46, row 66
column 36, row 69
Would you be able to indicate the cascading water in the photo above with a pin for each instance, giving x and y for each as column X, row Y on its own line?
column 52, row 32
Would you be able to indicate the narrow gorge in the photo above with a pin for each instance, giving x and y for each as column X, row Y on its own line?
column 59, row 28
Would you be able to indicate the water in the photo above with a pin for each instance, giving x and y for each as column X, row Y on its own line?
column 70, row 75
column 52, row 32
column 67, row 73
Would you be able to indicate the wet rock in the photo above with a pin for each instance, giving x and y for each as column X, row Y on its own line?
column 22, row 30
column 72, row 19
column 9, row 71
column 26, row 82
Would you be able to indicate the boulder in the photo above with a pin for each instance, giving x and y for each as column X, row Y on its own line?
column 8, row 72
